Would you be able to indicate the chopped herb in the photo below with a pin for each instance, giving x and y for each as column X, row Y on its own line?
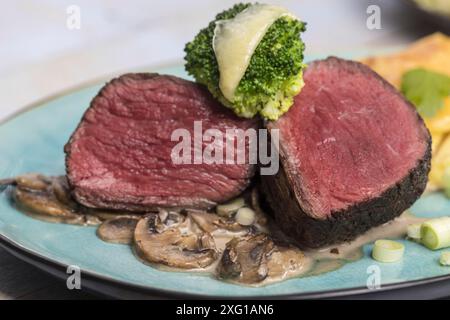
column 426, row 90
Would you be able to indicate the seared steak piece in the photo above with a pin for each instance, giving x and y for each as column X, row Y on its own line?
column 354, row 154
column 119, row 157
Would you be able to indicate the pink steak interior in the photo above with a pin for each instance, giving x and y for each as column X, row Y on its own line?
column 121, row 151
column 349, row 137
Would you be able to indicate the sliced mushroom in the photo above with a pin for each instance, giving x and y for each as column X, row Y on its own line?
column 47, row 199
column 210, row 222
column 180, row 239
column 175, row 241
column 170, row 218
column 43, row 206
column 41, row 203
column 29, row 181
column 118, row 230
column 33, row 181
column 253, row 259
column 245, row 259
column 88, row 220
column 105, row 215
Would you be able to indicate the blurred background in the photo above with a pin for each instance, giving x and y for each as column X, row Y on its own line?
column 42, row 52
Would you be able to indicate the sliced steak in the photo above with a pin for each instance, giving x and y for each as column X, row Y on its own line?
column 119, row 157
column 354, row 154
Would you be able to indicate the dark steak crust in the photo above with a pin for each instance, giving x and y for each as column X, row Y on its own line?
column 347, row 224
column 119, row 157
column 311, row 231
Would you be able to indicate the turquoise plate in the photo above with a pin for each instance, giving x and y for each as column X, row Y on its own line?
column 33, row 142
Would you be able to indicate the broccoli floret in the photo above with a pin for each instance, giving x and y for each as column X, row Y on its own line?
column 274, row 75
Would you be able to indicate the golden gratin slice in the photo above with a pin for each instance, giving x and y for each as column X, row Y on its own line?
column 431, row 52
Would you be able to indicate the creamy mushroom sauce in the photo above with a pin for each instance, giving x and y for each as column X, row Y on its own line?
column 197, row 241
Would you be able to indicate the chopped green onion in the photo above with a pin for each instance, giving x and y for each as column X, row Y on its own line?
column 435, row 233
column 388, row 251
column 445, row 258
column 245, row 216
column 413, row 231
column 227, row 209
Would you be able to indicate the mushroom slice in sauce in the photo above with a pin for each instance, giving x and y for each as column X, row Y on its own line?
column 33, row 181
column 174, row 240
column 210, row 222
column 245, row 259
column 118, row 230
column 257, row 258
column 38, row 196
column 43, row 206
column 104, row 215
column 29, row 181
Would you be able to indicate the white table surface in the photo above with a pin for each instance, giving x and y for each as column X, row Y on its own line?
column 40, row 56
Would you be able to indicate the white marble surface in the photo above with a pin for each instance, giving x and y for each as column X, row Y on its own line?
column 40, row 56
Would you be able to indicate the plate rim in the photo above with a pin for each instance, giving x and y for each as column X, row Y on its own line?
column 57, row 269
column 53, row 266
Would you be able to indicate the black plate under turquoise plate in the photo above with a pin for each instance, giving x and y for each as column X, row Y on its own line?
column 33, row 142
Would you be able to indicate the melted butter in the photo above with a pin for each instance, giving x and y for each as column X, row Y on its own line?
column 235, row 40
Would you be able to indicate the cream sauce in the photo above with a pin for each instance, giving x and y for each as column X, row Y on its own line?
column 351, row 251
column 284, row 262
column 312, row 262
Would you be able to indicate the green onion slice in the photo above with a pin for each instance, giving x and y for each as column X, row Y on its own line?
column 413, row 231
column 388, row 251
column 435, row 233
column 445, row 258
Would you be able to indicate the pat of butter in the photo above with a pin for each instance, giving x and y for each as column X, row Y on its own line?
column 235, row 40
